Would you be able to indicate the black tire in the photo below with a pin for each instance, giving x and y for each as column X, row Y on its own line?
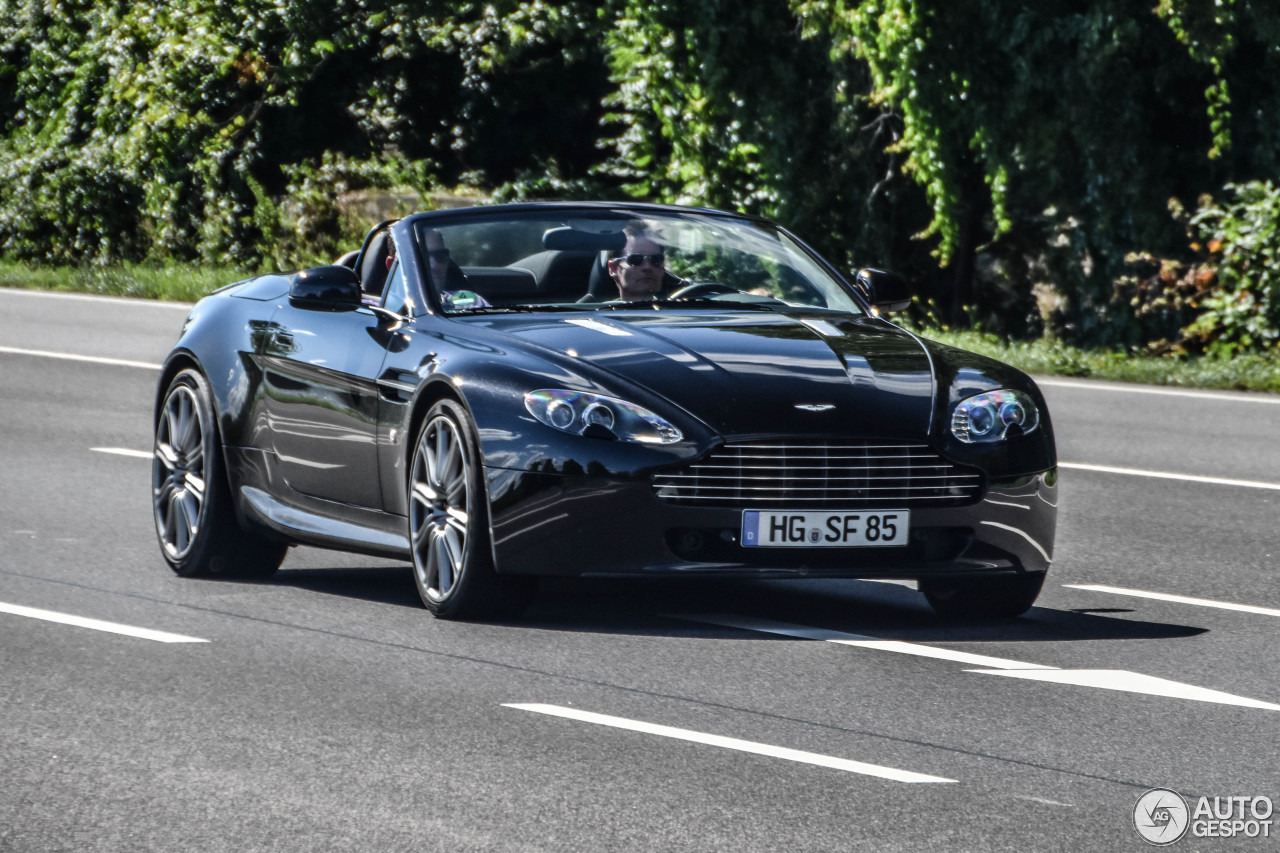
column 449, row 524
column 190, row 494
column 993, row 597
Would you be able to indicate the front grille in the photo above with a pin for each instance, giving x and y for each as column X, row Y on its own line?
column 820, row 475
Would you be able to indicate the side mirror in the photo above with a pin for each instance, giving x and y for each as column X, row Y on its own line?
column 325, row 289
column 886, row 291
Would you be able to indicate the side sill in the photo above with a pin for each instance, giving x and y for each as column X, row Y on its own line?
column 309, row 528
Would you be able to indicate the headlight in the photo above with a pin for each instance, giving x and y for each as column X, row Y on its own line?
column 993, row 415
column 599, row 417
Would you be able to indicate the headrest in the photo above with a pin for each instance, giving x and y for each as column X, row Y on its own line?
column 375, row 259
column 568, row 238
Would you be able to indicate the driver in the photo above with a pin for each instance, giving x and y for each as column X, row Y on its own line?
column 638, row 271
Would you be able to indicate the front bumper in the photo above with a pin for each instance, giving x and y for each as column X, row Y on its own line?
column 551, row 524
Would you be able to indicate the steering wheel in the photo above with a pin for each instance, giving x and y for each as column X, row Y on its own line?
column 705, row 288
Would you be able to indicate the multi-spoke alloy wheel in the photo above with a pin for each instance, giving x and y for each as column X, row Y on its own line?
column 178, row 476
column 449, row 524
column 440, row 511
column 195, row 520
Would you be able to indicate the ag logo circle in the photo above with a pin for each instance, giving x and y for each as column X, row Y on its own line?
column 1161, row 816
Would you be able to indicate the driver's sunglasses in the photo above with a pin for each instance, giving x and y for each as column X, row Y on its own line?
column 635, row 259
column 438, row 254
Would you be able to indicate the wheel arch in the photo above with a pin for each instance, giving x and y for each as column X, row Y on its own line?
column 175, row 364
column 431, row 393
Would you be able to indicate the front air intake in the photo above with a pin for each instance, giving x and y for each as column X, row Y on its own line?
column 820, row 474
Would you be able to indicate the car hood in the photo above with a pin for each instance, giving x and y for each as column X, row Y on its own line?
column 755, row 374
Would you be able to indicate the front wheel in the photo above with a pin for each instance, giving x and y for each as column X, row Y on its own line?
column 449, row 524
column 190, row 495
column 992, row 597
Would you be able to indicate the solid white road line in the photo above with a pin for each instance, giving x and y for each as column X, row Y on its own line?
column 731, row 743
column 1221, row 396
column 93, row 297
column 97, row 624
column 91, row 359
column 1177, row 599
column 1165, row 475
column 123, row 451
column 766, row 626
column 1130, row 682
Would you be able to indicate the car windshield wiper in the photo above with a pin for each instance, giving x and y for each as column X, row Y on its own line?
column 617, row 305
column 522, row 309
column 693, row 301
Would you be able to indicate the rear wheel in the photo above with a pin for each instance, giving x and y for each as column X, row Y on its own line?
column 190, row 496
column 993, row 597
column 449, row 524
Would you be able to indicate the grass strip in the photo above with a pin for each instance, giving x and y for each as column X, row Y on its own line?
column 1051, row 357
column 175, row 283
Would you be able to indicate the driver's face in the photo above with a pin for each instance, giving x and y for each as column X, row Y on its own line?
column 641, row 281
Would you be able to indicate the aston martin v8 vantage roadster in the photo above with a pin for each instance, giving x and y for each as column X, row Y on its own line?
column 501, row 393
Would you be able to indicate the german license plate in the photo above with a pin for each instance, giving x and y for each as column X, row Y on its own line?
column 817, row 529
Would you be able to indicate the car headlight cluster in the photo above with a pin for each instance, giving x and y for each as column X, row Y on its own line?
column 595, row 415
column 993, row 415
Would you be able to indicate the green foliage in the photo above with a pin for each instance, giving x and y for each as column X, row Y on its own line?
column 721, row 104
column 329, row 205
column 1048, row 136
column 135, row 130
column 1162, row 296
column 1242, row 311
column 138, row 122
column 1010, row 157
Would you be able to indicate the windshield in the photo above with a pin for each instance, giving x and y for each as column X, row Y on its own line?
column 605, row 259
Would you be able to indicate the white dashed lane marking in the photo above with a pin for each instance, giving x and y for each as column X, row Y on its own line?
column 1130, row 682
column 1103, row 679
column 1176, row 599
column 844, row 764
column 96, row 624
column 802, row 632
column 1168, row 475
column 123, row 451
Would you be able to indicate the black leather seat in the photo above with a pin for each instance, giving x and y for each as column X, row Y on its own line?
column 373, row 268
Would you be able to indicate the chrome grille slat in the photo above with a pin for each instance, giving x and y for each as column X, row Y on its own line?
column 821, row 475
column 810, row 462
column 676, row 479
column 772, row 502
column 706, row 490
column 711, row 470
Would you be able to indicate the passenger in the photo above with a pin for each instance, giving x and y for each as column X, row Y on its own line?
column 639, row 270
column 444, row 279
column 437, row 258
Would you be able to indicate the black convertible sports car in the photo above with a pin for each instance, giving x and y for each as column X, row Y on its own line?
column 505, row 392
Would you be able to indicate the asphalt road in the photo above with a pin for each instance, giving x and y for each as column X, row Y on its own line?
column 325, row 710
